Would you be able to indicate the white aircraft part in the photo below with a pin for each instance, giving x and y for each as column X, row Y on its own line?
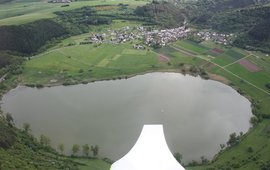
column 150, row 152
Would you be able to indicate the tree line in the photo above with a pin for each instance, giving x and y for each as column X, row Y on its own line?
column 84, row 149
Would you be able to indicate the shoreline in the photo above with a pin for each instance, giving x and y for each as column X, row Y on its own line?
column 212, row 77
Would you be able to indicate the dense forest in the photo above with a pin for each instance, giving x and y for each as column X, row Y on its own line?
column 77, row 21
column 161, row 13
column 28, row 38
column 4, row 1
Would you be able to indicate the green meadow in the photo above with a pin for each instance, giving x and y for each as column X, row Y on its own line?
column 20, row 12
column 87, row 62
column 93, row 164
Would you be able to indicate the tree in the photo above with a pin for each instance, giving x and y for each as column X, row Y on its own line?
column 95, row 150
column 61, row 148
column 254, row 121
column 178, row 157
column 44, row 140
column 204, row 160
column 234, row 139
column 75, row 149
column 249, row 149
column 26, row 127
column 222, row 146
column 9, row 118
column 86, row 149
column 267, row 85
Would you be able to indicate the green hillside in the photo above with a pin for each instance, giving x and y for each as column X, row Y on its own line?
column 20, row 150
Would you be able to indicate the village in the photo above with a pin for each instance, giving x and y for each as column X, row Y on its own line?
column 148, row 35
column 224, row 39
column 151, row 37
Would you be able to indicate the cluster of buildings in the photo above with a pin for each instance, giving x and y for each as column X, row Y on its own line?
column 224, row 39
column 161, row 38
column 155, row 38
column 151, row 37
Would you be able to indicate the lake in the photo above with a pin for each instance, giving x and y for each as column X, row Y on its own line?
column 198, row 115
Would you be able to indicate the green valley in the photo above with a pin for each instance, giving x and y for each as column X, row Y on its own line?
column 48, row 44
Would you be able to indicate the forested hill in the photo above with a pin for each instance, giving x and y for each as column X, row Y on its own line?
column 4, row 1
column 162, row 13
column 29, row 38
column 248, row 19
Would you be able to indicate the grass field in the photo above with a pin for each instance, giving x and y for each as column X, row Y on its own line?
column 19, row 12
column 260, row 78
column 235, row 54
column 223, row 60
column 177, row 57
column 93, row 164
column 192, row 46
column 88, row 62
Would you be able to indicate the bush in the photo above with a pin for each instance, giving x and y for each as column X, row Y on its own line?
column 81, row 71
column 39, row 86
column 249, row 149
column 267, row 85
column 7, row 136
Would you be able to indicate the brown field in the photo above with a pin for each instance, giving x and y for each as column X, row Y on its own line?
column 163, row 58
column 249, row 65
column 217, row 50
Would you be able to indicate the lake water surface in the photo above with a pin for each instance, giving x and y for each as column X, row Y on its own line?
column 197, row 114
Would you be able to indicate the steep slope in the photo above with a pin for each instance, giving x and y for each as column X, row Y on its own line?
column 30, row 37
column 20, row 150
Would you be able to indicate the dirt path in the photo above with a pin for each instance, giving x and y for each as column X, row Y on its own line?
column 236, row 61
column 163, row 58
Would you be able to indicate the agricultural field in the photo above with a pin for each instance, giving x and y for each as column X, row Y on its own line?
column 20, row 12
column 192, row 46
column 87, row 62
